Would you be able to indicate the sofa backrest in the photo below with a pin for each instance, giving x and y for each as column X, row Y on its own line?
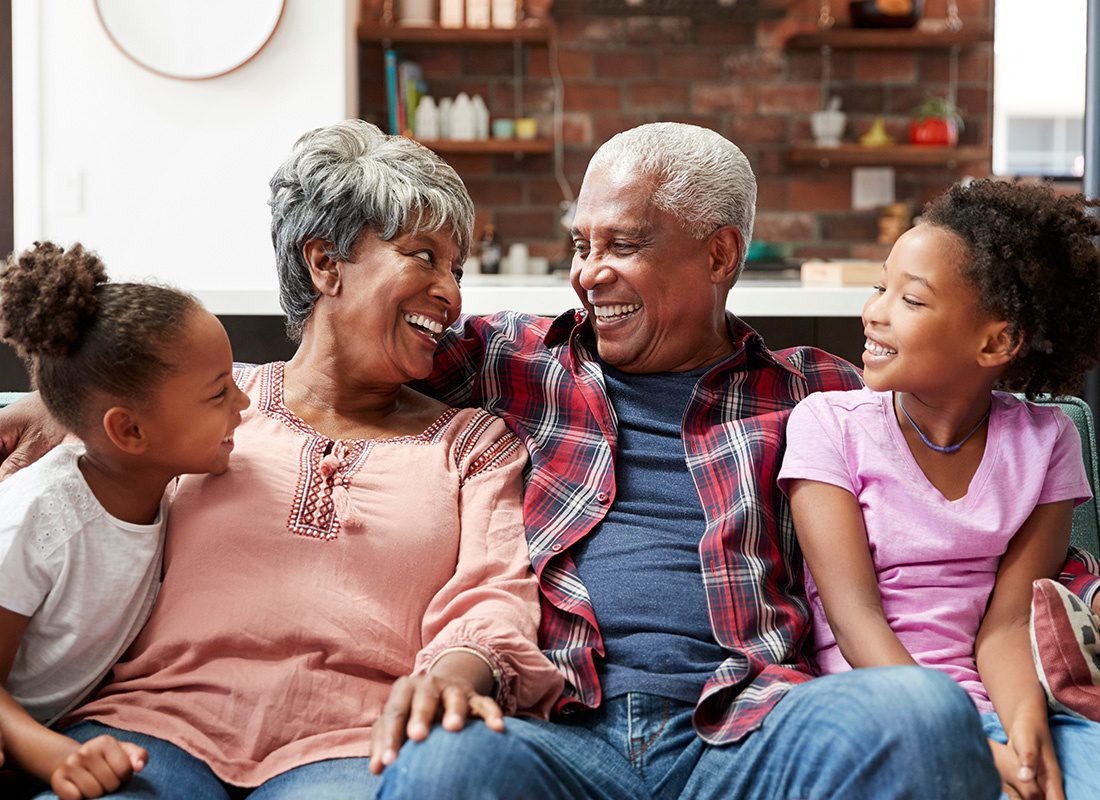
column 1086, row 517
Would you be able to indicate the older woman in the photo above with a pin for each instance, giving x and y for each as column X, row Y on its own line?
column 363, row 531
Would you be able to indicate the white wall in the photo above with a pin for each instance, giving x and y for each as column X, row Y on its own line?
column 167, row 178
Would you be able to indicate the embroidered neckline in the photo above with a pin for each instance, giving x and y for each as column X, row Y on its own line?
column 271, row 404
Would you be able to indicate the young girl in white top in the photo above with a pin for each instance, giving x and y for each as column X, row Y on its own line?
column 926, row 504
column 143, row 376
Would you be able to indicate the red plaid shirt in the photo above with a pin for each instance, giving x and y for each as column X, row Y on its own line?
column 542, row 378
column 540, row 375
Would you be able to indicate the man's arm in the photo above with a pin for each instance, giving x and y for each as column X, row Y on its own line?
column 27, row 432
column 458, row 360
column 1081, row 575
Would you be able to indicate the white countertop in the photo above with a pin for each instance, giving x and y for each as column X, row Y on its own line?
column 548, row 295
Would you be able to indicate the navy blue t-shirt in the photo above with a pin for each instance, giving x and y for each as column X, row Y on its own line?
column 641, row 563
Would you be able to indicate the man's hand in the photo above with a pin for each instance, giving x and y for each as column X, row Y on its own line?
column 27, row 432
column 97, row 767
column 416, row 702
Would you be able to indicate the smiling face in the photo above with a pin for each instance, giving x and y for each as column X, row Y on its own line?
column 190, row 417
column 394, row 301
column 655, row 294
column 925, row 332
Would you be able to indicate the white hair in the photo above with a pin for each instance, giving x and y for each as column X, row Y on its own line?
column 702, row 178
column 342, row 179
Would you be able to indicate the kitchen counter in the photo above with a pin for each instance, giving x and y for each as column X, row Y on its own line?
column 548, row 295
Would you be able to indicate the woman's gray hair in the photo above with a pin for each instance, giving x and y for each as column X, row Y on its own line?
column 348, row 177
column 702, row 178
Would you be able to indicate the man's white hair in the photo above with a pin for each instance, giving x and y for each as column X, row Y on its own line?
column 700, row 177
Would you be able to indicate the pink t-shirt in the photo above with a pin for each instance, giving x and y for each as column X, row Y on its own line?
column 301, row 583
column 935, row 559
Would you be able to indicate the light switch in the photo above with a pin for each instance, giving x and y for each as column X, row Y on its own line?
column 872, row 187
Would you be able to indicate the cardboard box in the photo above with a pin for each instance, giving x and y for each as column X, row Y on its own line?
column 841, row 273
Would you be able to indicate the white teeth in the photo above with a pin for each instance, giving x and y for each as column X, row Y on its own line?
column 424, row 322
column 616, row 310
column 227, row 439
column 876, row 349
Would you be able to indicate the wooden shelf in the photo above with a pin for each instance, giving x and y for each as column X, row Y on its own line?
column 888, row 39
column 894, row 155
column 490, row 146
column 399, row 34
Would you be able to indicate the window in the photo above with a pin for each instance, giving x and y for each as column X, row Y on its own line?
column 1039, row 88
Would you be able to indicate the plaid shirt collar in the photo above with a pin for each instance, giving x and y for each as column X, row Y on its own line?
column 572, row 326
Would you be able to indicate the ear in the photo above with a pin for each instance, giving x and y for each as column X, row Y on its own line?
column 125, row 431
column 323, row 270
column 999, row 345
column 725, row 254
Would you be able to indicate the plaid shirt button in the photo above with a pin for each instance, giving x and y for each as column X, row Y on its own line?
column 603, row 498
column 556, row 547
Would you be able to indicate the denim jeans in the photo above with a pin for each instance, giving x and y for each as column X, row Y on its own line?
column 1077, row 745
column 174, row 774
column 897, row 732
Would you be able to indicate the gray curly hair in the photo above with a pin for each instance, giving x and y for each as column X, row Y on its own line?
column 344, row 178
column 703, row 179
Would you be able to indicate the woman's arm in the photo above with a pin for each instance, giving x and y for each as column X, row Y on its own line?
column 830, row 530
column 27, row 432
column 480, row 630
column 1003, row 646
column 73, row 770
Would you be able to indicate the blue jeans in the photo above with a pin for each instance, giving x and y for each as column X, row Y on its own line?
column 174, row 774
column 896, row 732
column 1077, row 744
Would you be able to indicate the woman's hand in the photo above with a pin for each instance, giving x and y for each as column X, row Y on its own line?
column 455, row 690
column 27, row 432
column 97, row 767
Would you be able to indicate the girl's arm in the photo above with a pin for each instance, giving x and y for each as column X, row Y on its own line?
column 829, row 525
column 1003, row 646
column 73, row 770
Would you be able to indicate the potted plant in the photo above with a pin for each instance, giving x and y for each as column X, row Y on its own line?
column 936, row 121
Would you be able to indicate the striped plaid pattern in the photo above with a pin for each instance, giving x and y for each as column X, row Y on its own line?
column 541, row 377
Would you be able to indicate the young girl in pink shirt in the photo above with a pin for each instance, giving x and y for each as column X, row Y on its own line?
column 927, row 503
column 143, row 375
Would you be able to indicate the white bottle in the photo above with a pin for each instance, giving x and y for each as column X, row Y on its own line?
column 452, row 13
column 481, row 118
column 463, row 126
column 477, row 13
column 415, row 12
column 504, row 13
column 446, row 107
column 427, row 119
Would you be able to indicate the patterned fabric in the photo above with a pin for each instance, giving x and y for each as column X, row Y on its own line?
column 542, row 378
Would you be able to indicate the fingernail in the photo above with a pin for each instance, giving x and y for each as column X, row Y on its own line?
column 1026, row 773
column 389, row 756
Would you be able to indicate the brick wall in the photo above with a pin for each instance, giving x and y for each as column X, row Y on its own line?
column 724, row 69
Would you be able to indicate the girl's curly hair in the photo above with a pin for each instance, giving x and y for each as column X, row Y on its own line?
column 85, row 337
column 1034, row 258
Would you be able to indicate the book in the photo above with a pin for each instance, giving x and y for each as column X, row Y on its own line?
column 392, row 97
column 410, row 88
column 841, row 273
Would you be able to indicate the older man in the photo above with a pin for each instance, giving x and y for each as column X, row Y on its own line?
column 671, row 579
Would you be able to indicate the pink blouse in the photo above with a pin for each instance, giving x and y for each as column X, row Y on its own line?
column 300, row 584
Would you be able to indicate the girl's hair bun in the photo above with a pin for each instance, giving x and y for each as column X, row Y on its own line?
column 48, row 298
